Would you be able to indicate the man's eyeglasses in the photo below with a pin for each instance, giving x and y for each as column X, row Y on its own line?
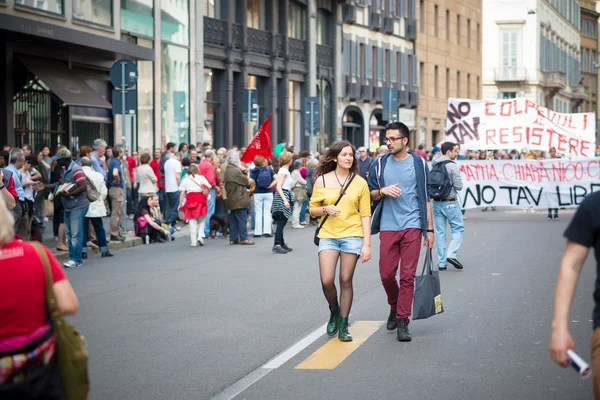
column 392, row 139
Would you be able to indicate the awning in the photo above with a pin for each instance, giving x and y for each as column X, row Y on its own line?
column 65, row 83
column 351, row 125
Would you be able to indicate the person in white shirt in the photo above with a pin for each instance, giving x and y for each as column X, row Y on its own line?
column 147, row 177
column 29, row 176
column 194, row 189
column 172, row 182
column 96, row 211
column 299, row 189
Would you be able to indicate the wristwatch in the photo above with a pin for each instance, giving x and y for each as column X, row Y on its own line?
column 430, row 230
column 381, row 193
column 3, row 186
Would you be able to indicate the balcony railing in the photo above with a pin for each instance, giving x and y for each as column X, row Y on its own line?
column 413, row 97
column 349, row 12
column 366, row 92
column 555, row 79
column 215, row 32
column 510, row 74
column 403, row 98
column 378, row 94
column 236, row 36
column 579, row 92
column 352, row 89
column 259, row 41
column 411, row 29
column 280, row 45
column 388, row 25
column 325, row 56
column 297, row 49
column 375, row 21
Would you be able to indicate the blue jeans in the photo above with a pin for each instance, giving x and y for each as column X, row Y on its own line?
column 237, row 225
column 212, row 200
column 173, row 200
column 447, row 213
column 100, row 234
column 303, row 210
column 74, row 230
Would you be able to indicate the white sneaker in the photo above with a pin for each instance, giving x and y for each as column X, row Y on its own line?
column 72, row 264
column 201, row 241
column 297, row 227
column 194, row 245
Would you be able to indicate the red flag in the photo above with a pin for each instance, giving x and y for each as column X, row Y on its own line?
column 261, row 144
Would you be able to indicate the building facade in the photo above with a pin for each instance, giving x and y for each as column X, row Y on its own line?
column 285, row 50
column 589, row 54
column 449, row 50
column 57, row 56
column 378, row 50
column 533, row 49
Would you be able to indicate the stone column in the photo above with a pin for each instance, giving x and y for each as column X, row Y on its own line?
column 199, row 69
column 311, row 79
column 336, row 76
column 193, row 93
column 7, row 130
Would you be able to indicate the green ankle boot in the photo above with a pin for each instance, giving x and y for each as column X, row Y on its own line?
column 332, row 325
column 344, row 335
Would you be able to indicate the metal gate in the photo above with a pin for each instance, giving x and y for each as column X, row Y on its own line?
column 39, row 118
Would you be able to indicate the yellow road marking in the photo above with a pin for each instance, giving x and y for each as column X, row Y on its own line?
column 330, row 355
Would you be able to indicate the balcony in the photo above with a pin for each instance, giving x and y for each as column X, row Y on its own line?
column 215, row 32
column 366, row 92
column 297, row 49
column 378, row 94
column 553, row 82
column 510, row 75
column 236, row 36
column 349, row 12
column 411, row 29
column 325, row 56
column 403, row 97
column 352, row 89
column 375, row 21
column 388, row 25
column 413, row 97
column 259, row 41
column 579, row 94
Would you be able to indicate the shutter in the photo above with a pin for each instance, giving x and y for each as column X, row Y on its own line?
column 413, row 9
column 392, row 64
column 369, row 61
column 352, row 58
column 542, row 52
column 402, row 7
column 347, row 57
column 404, row 58
column 355, row 58
column 379, row 64
column 392, row 9
column 414, row 72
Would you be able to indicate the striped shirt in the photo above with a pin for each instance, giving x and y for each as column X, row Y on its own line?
column 74, row 174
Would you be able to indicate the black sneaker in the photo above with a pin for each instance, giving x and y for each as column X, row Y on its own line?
column 286, row 247
column 455, row 263
column 107, row 254
column 391, row 322
column 279, row 250
column 84, row 256
column 403, row 334
column 556, row 216
column 267, row 235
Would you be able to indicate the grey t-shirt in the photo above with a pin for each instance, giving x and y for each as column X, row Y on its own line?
column 402, row 212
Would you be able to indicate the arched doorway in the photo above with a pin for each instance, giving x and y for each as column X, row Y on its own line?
column 376, row 130
column 353, row 126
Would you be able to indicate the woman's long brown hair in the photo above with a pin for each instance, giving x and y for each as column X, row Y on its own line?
column 328, row 162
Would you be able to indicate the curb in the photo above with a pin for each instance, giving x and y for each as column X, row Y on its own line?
column 112, row 246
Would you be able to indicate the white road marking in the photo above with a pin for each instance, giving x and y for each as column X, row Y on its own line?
column 276, row 362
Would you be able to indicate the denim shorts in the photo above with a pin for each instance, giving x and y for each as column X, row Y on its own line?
column 352, row 245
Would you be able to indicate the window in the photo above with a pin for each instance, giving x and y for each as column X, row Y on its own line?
column 468, row 86
column 212, row 9
column 295, row 107
column 422, row 21
column 436, row 92
column 175, row 87
column 509, row 55
column 361, row 60
column 296, row 21
column 254, row 14
column 448, row 82
column 136, row 18
column 174, row 23
column 469, row 33
column 507, row 95
column 422, row 76
column 98, row 12
column 458, row 30
column 448, row 25
column 436, row 20
column 458, row 84
column 54, row 7
column 323, row 27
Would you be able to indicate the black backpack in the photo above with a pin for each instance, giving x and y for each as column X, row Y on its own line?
column 440, row 185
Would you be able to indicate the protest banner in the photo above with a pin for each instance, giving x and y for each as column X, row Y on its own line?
column 518, row 124
column 549, row 183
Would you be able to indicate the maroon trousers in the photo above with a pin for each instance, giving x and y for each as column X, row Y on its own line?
column 404, row 248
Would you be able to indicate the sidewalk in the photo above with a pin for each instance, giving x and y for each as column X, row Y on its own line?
column 130, row 240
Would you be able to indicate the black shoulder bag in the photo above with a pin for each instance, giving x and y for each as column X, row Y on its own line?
column 316, row 239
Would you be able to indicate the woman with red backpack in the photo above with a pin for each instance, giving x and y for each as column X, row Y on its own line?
column 264, row 176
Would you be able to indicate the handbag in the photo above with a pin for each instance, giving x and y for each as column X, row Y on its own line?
column 48, row 208
column 71, row 349
column 428, row 295
column 316, row 239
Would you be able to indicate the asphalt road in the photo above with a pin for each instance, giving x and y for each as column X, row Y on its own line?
column 173, row 322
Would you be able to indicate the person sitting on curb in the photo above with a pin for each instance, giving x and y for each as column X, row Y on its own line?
column 147, row 226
